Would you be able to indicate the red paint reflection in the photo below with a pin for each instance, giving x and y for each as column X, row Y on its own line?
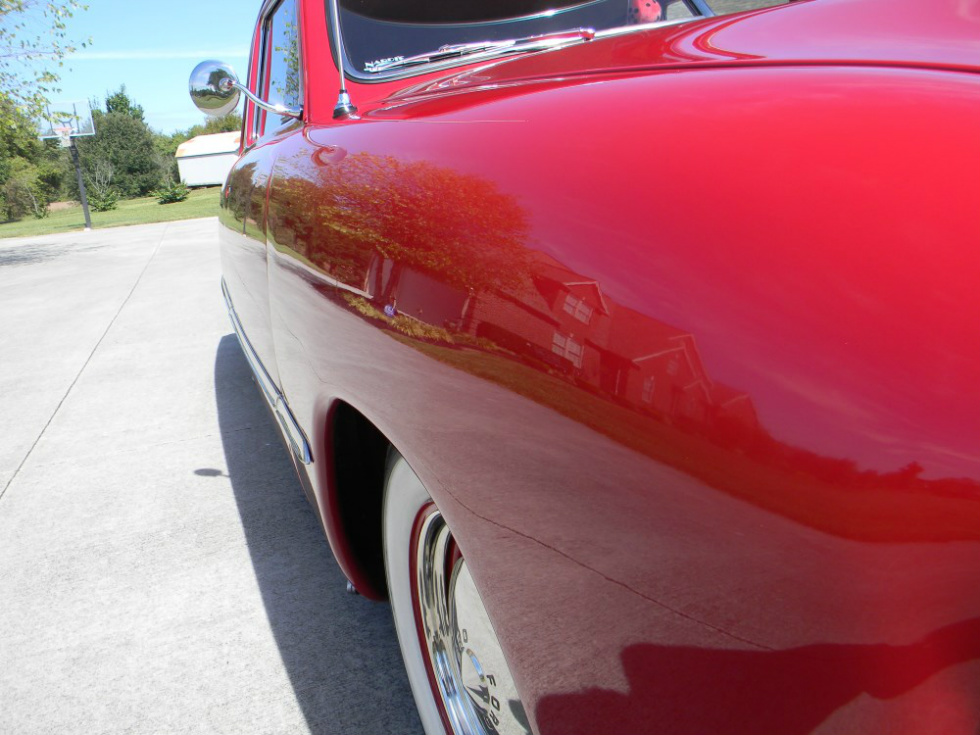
column 441, row 260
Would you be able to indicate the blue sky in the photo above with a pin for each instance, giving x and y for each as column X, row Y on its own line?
column 151, row 47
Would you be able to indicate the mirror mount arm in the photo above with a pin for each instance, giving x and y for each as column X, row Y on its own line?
column 227, row 84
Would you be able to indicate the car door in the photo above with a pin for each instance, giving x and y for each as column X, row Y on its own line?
column 273, row 76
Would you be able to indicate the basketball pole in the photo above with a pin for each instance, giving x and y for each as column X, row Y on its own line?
column 81, row 184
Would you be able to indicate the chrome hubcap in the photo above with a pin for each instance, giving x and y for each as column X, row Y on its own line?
column 470, row 673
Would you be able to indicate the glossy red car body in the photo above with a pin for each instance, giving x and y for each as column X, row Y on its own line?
column 680, row 330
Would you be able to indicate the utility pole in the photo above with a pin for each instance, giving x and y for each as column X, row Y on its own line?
column 81, row 184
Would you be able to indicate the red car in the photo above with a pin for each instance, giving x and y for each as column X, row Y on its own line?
column 632, row 351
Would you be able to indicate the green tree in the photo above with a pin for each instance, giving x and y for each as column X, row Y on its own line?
column 20, row 151
column 53, row 170
column 18, row 138
column 33, row 44
column 230, row 123
column 34, row 41
column 119, row 101
column 457, row 227
column 126, row 143
column 23, row 193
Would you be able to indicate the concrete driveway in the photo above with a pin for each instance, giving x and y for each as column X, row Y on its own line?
column 160, row 569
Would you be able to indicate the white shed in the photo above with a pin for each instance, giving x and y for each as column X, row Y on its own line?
column 207, row 159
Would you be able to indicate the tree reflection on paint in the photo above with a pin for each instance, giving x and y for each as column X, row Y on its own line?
column 443, row 260
column 452, row 226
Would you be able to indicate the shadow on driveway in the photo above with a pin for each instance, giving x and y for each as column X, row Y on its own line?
column 339, row 650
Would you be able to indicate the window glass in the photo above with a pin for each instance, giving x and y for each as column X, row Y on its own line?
column 577, row 308
column 567, row 348
column 677, row 11
column 369, row 39
column 453, row 11
column 723, row 7
column 380, row 32
column 648, row 385
column 281, row 53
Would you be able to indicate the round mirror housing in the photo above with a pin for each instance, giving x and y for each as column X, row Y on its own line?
column 214, row 88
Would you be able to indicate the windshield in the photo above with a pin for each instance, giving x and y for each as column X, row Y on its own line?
column 443, row 12
column 378, row 31
column 395, row 35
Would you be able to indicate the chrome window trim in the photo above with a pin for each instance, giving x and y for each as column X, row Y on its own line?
column 260, row 122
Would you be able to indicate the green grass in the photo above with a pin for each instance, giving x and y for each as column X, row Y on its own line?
column 200, row 203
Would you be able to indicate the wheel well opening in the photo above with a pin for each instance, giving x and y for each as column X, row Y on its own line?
column 360, row 453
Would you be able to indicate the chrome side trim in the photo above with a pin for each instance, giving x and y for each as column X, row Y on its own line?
column 277, row 402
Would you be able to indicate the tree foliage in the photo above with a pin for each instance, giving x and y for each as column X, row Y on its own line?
column 102, row 197
column 20, row 193
column 454, row 226
column 172, row 192
column 230, row 123
column 125, row 141
column 125, row 158
column 34, row 41
column 18, row 138
column 119, row 101
column 31, row 174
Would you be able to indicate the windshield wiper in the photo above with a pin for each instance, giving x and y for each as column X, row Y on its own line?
column 487, row 48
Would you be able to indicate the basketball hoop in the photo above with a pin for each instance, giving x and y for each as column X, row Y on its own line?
column 63, row 121
column 64, row 135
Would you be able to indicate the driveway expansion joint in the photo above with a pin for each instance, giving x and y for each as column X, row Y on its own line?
column 81, row 370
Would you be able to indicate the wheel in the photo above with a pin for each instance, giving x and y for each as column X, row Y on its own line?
column 457, row 671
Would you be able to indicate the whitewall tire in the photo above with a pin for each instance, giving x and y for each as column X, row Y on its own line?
column 457, row 670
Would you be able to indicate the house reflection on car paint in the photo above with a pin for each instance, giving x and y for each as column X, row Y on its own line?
column 447, row 262
column 465, row 275
column 563, row 320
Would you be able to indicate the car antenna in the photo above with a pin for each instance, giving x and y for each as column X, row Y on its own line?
column 344, row 108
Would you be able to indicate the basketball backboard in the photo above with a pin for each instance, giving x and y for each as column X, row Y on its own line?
column 73, row 115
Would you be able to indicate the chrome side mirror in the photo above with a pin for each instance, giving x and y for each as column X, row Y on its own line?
column 216, row 90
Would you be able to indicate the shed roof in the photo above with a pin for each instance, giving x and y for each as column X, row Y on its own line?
column 209, row 145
